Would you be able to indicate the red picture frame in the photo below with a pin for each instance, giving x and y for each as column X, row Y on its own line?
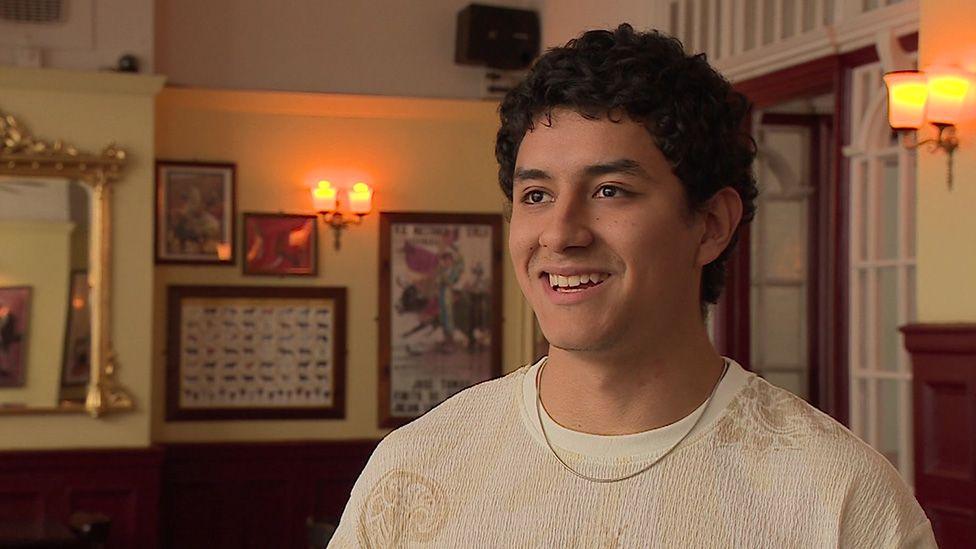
column 277, row 244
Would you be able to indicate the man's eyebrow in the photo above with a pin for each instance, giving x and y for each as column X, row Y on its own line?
column 523, row 174
column 622, row 166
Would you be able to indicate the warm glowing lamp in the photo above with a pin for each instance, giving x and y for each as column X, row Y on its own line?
column 907, row 92
column 223, row 251
column 935, row 96
column 324, row 197
column 947, row 90
column 360, row 199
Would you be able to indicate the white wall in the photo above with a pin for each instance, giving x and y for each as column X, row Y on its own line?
column 371, row 47
column 95, row 35
column 566, row 19
column 375, row 47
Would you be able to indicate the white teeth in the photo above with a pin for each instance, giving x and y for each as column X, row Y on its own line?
column 573, row 281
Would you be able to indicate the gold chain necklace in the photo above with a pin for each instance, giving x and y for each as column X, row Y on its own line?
column 538, row 410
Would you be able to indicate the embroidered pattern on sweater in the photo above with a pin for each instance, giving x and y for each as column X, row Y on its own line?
column 402, row 506
column 763, row 417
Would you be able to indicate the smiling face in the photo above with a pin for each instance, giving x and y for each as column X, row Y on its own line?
column 603, row 243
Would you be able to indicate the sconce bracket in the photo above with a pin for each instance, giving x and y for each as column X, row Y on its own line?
column 339, row 223
column 946, row 140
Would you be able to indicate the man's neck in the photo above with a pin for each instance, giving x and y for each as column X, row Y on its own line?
column 632, row 390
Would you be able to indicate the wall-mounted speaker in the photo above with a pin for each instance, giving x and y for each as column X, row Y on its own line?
column 498, row 38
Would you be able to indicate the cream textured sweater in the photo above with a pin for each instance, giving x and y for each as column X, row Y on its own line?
column 762, row 469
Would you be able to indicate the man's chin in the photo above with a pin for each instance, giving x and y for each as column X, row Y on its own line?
column 575, row 349
column 583, row 344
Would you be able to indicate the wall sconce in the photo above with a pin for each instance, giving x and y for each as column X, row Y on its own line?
column 325, row 198
column 936, row 97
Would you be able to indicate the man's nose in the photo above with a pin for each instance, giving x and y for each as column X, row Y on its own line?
column 567, row 226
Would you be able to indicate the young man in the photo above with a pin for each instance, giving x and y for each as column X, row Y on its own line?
column 628, row 174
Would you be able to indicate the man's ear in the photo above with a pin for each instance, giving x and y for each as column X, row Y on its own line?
column 721, row 216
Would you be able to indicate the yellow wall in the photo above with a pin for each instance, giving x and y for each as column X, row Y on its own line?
column 946, row 224
column 90, row 110
column 47, row 274
column 419, row 155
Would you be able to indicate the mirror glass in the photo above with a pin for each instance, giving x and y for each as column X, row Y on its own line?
column 45, row 318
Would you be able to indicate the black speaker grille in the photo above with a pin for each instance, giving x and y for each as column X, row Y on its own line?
column 32, row 11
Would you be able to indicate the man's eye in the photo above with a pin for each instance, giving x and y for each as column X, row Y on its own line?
column 535, row 197
column 609, row 191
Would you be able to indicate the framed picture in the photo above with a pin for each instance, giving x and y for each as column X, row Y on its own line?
column 76, row 364
column 195, row 210
column 440, row 309
column 255, row 352
column 280, row 244
column 15, row 304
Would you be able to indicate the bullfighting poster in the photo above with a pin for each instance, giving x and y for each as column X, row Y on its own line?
column 440, row 309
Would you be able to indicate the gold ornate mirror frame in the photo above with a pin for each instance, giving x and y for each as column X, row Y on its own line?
column 23, row 155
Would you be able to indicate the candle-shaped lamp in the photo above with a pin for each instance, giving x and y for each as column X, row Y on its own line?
column 360, row 199
column 947, row 90
column 223, row 251
column 324, row 197
column 907, row 92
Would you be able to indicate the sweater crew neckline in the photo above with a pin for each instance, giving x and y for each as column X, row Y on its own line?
column 636, row 445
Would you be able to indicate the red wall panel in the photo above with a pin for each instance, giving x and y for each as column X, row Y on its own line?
column 124, row 484
column 944, row 394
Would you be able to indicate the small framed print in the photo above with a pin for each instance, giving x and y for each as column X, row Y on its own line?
column 195, row 210
column 255, row 352
column 280, row 244
column 15, row 304
column 76, row 367
column 440, row 300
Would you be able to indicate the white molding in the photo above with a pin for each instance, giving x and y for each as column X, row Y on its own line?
column 893, row 57
column 848, row 35
column 882, row 263
column 869, row 126
column 80, row 81
column 328, row 105
column 883, row 374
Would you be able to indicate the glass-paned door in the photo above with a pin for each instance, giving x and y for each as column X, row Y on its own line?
column 882, row 274
column 780, row 278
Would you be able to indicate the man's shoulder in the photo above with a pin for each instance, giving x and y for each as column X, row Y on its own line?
column 481, row 409
column 782, row 431
column 768, row 419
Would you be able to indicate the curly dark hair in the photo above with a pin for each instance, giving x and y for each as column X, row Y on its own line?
column 691, row 112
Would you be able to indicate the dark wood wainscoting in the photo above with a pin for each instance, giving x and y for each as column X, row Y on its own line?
column 944, row 394
column 255, row 495
column 124, row 484
column 188, row 495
